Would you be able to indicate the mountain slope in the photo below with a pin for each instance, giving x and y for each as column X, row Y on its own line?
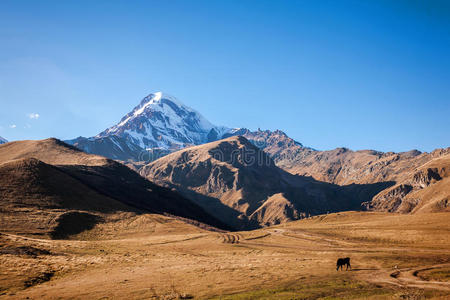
column 113, row 147
column 239, row 184
column 426, row 189
column 340, row 166
column 51, row 179
column 159, row 121
column 37, row 198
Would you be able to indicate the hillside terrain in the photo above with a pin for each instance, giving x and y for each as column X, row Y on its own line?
column 241, row 185
column 52, row 189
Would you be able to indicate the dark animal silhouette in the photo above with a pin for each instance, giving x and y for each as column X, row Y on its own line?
column 343, row 261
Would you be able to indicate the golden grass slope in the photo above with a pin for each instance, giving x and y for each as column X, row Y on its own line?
column 51, row 151
column 393, row 256
column 37, row 197
column 52, row 189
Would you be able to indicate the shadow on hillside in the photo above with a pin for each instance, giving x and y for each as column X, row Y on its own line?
column 318, row 197
column 71, row 223
column 234, row 220
column 309, row 196
column 120, row 183
column 360, row 193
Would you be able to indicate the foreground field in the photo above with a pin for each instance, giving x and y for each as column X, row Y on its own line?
column 150, row 256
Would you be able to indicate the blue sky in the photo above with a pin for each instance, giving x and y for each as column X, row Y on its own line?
column 359, row 74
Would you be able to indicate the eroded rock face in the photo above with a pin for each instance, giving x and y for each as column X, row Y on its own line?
column 391, row 199
column 425, row 189
column 425, row 177
column 228, row 172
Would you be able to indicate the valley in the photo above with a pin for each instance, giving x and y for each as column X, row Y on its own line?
column 166, row 205
column 156, row 257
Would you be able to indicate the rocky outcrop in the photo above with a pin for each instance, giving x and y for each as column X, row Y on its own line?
column 425, row 177
column 425, row 189
column 389, row 200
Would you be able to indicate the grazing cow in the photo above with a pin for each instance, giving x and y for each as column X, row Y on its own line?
column 343, row 261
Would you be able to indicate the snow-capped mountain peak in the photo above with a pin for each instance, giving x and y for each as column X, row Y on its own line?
column 162, row 121
column 161, row 124
column 151, row 99
column 3, row 140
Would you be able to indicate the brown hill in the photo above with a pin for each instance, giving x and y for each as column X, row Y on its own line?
column 48, row 184
column 239, row 184
column 51, row 151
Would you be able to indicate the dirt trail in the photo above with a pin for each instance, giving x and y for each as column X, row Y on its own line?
column 404, row 277
column 399, row 277
column 231, row 238
column 178, row 240
column 410, row 278
column 337, row 244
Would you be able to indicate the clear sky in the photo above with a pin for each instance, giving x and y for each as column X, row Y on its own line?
column 359, row 74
